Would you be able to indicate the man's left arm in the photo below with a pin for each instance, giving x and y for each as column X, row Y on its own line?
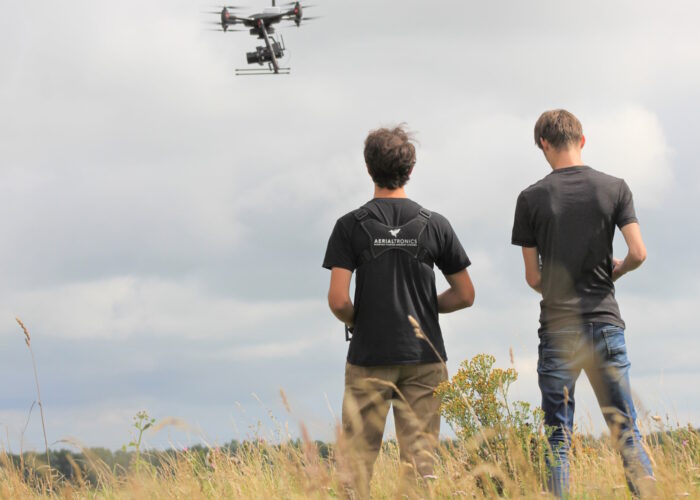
column 636, row 251
column 339, row 295
column 626, row 220
column 453, row 262
column 460, row 294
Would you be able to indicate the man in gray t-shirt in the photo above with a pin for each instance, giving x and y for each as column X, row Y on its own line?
column 569, row 217
column 565, row 225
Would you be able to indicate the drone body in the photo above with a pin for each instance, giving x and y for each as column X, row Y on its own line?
column 261, row 25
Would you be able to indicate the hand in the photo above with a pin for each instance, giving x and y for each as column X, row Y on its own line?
column 617, row 268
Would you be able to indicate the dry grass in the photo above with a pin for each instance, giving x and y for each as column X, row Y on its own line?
column 293, row 470
column 264, row 470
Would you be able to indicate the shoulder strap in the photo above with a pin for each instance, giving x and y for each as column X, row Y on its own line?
column 423, row 255
column 360, row 213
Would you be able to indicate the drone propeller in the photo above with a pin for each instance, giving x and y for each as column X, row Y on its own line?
column 227, row 7
column 300, row 23
column 212, row 23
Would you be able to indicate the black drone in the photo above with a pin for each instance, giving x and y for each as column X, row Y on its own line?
column 261, row 26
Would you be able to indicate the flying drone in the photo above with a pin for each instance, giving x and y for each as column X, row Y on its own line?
column 261, row 26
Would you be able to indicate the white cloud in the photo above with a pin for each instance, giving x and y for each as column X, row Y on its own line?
column 629, row 142
column 475, row 166
column 127, row 307
column 270, row 350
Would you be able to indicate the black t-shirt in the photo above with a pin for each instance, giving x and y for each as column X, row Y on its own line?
column 395, row 283
column 570, row 216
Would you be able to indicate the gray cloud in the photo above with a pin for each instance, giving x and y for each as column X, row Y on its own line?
column 165, row 221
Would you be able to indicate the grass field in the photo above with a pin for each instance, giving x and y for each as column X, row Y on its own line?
column 500, row 451
column 304, row 469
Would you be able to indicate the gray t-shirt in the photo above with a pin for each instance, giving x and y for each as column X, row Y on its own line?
column 570, row 216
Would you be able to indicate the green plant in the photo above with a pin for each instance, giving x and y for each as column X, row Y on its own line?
column 142, row 421
column 475, row 404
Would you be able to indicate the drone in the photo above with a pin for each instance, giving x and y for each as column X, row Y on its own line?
column 261, row 26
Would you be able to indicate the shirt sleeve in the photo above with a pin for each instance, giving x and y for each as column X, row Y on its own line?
column 452, row 258
column 339, row 250
column 625, row 213
column 523, row 233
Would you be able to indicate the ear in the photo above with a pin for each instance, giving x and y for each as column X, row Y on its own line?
column 583, row 140
column 544, row 145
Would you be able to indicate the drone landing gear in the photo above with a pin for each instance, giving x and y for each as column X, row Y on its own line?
column 262, row 71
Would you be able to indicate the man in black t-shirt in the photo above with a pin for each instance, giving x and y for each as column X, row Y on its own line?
column 393, row 244
column 565, row 224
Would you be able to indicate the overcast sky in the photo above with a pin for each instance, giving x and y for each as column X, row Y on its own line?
column 164, row 222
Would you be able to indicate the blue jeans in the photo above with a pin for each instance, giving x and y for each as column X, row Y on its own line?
column 599, row 349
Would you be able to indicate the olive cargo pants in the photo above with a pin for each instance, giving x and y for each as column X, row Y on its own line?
column 369, row 392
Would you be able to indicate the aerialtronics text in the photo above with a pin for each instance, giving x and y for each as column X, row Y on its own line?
column 395, row 242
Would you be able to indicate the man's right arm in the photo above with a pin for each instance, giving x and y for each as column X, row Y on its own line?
column 339, row 295
column 636, row 251
column 524, row 236
column 459, row 295
column 533, row 275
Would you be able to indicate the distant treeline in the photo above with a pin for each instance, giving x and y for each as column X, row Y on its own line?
column 90, row 463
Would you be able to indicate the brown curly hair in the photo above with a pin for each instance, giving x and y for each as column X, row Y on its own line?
column 390, row 156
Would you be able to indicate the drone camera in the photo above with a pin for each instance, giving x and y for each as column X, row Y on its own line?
column 264, row 55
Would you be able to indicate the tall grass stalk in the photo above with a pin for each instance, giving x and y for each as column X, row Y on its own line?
column 28, row 341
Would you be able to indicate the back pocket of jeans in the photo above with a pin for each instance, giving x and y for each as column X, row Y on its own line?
column 556, row 350
column 615, row 341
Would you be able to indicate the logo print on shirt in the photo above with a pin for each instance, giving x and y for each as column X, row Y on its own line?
column 394, row 232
